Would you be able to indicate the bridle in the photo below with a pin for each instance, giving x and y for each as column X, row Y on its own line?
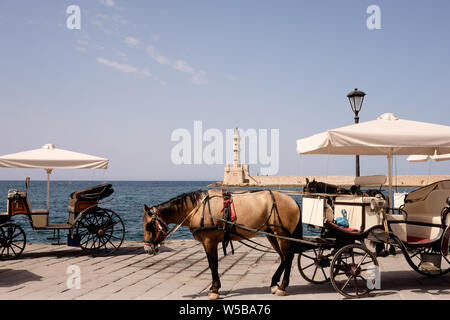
column 161, row 230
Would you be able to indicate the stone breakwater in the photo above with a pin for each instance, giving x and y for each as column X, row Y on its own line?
column 299, row 181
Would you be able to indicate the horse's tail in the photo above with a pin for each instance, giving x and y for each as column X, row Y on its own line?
column 298, row 231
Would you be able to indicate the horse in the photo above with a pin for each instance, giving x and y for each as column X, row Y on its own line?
column 323, row 187
column 261, row 210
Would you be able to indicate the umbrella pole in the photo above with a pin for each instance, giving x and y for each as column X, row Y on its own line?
column 391, row 202
column 49, row 171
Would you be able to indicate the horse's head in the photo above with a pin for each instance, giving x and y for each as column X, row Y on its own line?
column 155, row 229
column 310, row 186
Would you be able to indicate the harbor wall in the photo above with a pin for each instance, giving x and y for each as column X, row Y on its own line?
column 242, row 180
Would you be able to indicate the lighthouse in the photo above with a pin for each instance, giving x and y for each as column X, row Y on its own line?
column 236, row 149
column 238, row 174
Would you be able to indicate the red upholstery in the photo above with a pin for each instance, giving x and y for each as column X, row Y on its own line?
column 415, row 239
column 346, row 229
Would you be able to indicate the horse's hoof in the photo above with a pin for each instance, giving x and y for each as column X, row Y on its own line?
column 213, row 296
column 280, row 293
column 274, row 289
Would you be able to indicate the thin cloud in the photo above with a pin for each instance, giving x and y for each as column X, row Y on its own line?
column 182, row 65
column 200, row 78
column 116, row 65
column 108, row 3
column 101, row 16
column 133, row 42
column 85, row 43
column 127, row 68
column 197, row 76
column 158, row 57
column 120, row 54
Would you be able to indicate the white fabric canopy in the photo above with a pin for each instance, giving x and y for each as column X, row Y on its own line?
column 383, row 136
column 49, row 157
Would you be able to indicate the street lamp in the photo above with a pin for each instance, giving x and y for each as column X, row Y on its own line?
column 356, row 98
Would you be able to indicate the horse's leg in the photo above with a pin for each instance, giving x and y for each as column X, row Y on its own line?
column 285, row 246
column 277, row 275
column 213, row 261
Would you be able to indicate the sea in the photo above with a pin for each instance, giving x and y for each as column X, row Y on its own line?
column 127, row 201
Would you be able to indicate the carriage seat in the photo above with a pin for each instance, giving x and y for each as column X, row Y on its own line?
column 76, row 206
column 94, row 193
column 427, row 214
column 85, row 198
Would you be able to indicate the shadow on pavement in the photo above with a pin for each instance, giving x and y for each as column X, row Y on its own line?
column 11, row 277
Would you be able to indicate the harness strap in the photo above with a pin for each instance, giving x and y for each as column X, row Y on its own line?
column 228, row 215
column 275, row 208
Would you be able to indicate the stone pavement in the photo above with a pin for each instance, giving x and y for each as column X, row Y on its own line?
column 180, row 271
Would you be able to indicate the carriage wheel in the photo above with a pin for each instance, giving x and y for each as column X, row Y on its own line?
column 415, row 256
column 100, row 231
column 314, row 264
column 12, row 241
column 352, row 271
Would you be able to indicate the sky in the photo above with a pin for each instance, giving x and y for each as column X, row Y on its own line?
column 136, row 71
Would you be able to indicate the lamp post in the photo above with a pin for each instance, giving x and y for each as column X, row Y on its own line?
column 356, row 98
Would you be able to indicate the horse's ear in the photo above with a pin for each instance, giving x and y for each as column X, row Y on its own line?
column 145, row 208
column 307, row 180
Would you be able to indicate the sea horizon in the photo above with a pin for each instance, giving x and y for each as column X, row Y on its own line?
column 127, row 201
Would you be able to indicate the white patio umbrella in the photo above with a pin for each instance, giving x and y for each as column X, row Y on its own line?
column 388, row 135
column 48, row 157
column 424, row 158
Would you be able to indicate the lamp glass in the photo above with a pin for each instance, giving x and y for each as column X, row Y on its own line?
column 356, row 102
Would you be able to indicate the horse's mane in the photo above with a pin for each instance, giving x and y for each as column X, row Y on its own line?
column 180, row 202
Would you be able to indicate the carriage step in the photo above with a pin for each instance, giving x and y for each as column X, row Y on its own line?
column 73, row 241
column 429, row 266
column 56, row 232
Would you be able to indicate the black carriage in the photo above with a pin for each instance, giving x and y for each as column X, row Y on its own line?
column 97, row 230
column 419, row 228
